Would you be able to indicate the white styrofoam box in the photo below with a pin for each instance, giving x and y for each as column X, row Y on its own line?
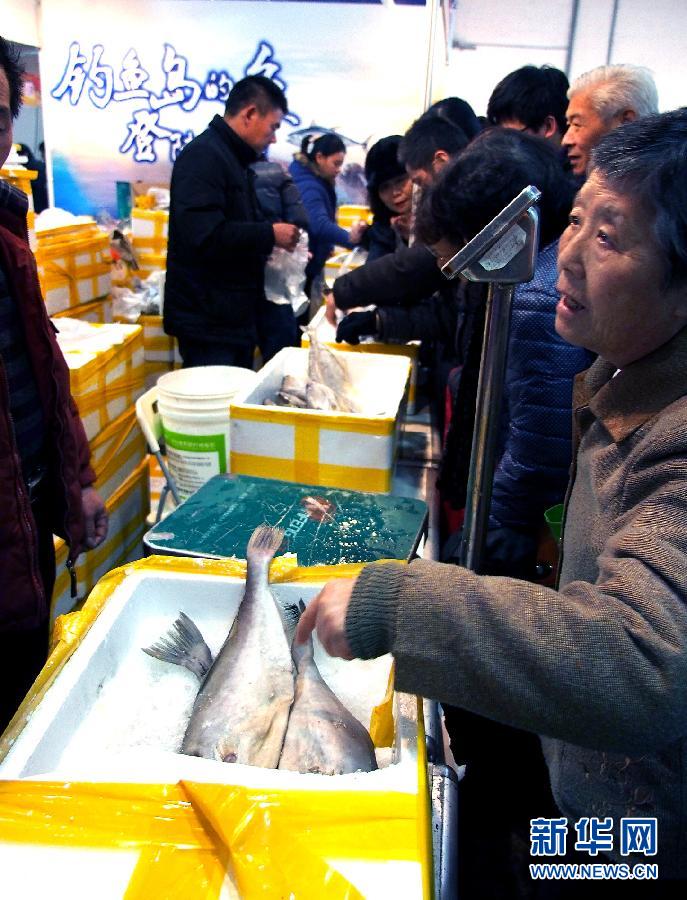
column 352, row 450
column 113, row 714
column 116, row 714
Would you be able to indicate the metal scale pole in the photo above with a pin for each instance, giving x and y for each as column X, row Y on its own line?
column 502, row 255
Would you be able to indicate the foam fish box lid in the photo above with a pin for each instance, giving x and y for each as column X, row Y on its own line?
column 74, row 267
column 326, row 332
column 347, row 450
column 113, row 714
column 106, row 370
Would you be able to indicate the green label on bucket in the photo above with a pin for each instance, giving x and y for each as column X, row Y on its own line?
column 193, row 458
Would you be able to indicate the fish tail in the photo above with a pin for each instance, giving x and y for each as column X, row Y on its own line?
column 183, row 645
column 264, row 543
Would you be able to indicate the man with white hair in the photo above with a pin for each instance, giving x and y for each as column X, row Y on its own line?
column 600, row 100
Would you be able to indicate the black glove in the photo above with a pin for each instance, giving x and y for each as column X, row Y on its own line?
column 356, row 325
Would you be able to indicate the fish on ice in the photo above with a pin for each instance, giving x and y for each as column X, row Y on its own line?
column 241, row 711
column 322, row 736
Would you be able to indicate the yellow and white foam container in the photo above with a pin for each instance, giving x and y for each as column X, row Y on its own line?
column 149, row 229
column 73, row 260
column 105, row 367
column 326, row 333
column 96, row 800
column 160, row 350
column 348, row 450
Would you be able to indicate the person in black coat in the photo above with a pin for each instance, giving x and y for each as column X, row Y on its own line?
column 219, row 239
column 280, row 201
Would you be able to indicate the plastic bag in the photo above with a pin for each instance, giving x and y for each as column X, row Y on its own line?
column 285, row 276
column 143, row 298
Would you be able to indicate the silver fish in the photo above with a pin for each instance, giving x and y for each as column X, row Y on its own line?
column 329, row 368
column 322, row 736
column 286, row 398
column 319, row 396
column 292, row 385
column 242, row 708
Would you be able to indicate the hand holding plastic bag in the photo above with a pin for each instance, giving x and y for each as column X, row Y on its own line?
column 285, row 276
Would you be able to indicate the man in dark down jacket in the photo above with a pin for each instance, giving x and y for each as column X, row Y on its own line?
column 218, row 238
column 45, row 477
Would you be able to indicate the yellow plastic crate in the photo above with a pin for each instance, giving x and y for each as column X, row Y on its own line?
column 127, row 509
column 105, row 383
column 149, row 228
column 73, row 267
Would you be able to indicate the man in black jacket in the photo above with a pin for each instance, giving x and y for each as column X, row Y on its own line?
column 218, row 238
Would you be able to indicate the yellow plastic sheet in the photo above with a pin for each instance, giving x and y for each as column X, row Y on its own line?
column 273, row 843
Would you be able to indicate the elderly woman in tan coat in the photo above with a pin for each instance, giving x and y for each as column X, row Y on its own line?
column 598, row 666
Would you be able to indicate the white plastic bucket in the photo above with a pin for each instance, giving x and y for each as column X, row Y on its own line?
column 193, row 405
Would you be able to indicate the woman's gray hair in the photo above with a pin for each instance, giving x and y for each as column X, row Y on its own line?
column 647, row 160
column 616, row 88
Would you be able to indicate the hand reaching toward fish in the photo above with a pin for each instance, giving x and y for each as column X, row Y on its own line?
column 326, row 615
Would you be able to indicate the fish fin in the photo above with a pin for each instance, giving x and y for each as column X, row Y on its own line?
column 290, row 616
column 264, row 542
column 183, row 645
column 302, row 652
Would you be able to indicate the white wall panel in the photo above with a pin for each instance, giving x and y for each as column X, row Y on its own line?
column 20, row 21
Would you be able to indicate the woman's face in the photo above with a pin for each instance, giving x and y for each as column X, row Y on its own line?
column 396, row 194
column 331, row 165
column 611, row 278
